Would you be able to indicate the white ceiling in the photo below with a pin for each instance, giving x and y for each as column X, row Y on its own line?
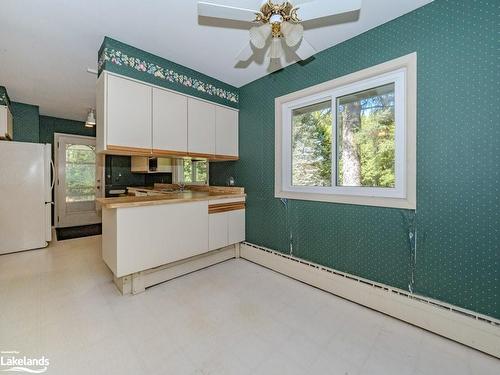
column 47, row 46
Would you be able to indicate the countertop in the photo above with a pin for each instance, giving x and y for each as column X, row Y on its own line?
column 168, row 198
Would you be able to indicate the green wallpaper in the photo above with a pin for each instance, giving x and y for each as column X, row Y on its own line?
column 121, row 58
column 50, row 125
column 26, row 122
column 458, row 199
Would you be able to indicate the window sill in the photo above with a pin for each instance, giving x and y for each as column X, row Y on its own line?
column 403, row 203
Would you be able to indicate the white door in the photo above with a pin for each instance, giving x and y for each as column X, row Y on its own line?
column 77, row 181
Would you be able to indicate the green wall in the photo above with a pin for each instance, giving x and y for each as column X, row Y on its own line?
column 26, row 122
column 50, row 125
column 458, row 199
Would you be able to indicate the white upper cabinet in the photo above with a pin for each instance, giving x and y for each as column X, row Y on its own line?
column 201, row 127
column 136, row 118
column 128, row 113
column 170, row 121
column 226, row 132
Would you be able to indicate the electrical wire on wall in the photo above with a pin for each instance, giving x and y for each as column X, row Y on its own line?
column 287, row 224
column 410, row 219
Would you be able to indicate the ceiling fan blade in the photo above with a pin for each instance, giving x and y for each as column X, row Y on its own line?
column 224, row 11
column 292, row 32
column 245, row 53
column 305, row 50
column 321, row 8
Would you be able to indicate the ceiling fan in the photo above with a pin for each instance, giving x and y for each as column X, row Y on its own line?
column 282, row 22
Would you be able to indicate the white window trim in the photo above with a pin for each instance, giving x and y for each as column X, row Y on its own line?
column 178, row 173
column 200, row 182
column 402, row 72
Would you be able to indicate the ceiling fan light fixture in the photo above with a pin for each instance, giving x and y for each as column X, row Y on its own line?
column 293, row 33
column 90, row 123
column 279, row 19
column 259, row 35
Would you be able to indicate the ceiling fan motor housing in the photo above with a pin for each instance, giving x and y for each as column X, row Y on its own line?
column 276, row 14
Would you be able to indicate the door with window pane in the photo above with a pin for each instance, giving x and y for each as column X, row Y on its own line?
column 77, row 182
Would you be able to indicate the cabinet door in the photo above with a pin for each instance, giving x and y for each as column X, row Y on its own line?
column 236, row 226
column 10, row 124
column 201, row 127
column 3, row 121
column 169, row 121
column 128, row 113
column 226, row 131
column 217, row 230
column 164, row 233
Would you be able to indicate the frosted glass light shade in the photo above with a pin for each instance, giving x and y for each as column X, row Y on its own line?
column 276, row 49
column 90, row 123
column 292, row 32
column 259, row 35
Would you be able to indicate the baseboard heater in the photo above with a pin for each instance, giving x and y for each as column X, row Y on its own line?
column 138, row 282
column 464, row 326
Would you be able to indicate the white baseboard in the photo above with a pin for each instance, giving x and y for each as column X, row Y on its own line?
column 466, row 327
column 138, row 282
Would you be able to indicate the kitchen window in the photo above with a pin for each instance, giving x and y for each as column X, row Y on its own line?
column 195, row 172
column 350, row 140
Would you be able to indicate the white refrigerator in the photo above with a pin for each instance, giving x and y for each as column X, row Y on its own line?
column 26, row 182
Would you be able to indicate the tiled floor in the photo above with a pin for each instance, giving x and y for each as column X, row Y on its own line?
column 232, row 318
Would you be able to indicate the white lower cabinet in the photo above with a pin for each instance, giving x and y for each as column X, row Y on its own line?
column 226, row 228
column 217, row 231
column 139, row 238
column 236, row 226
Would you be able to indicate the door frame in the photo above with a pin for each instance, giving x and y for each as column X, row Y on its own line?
column 58, row 137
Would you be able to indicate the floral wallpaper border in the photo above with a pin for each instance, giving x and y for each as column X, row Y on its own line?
column 118, row 57
column 4, row 98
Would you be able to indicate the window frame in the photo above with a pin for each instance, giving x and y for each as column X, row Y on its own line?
column 178, row 176
column 401, row 72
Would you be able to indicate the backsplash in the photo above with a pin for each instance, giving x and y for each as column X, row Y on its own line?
column 118, row 174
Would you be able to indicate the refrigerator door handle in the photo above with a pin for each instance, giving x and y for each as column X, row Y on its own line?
column 53, row 167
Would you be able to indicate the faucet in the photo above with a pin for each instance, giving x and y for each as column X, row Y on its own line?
column 182, row 185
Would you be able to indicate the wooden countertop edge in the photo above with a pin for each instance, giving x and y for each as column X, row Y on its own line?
column 122, row 202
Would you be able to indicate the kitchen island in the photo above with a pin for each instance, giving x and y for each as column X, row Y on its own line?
column 150, row 239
